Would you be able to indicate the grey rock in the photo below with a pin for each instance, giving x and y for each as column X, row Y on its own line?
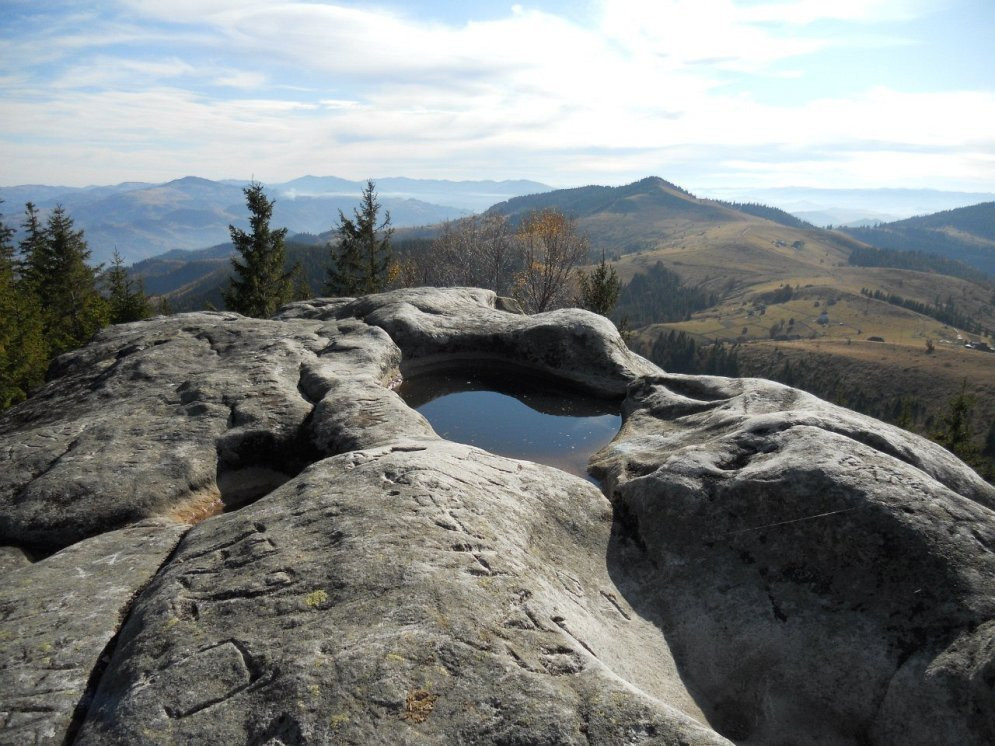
column 12, row 558
column 437, row 328
column 418, row 592
column 767, row 567
column 174, row 417
column 821, row 576
column 57, row 620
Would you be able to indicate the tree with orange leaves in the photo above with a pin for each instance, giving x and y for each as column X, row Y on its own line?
column 551, row 249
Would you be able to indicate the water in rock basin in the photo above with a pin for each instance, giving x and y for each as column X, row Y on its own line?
column 514, row 414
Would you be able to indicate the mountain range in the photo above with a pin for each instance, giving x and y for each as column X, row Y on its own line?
column 140, row 220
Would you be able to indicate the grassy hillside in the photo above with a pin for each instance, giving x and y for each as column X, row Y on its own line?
column 788, row 293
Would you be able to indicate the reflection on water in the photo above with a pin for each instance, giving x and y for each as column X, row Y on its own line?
column 513, row 415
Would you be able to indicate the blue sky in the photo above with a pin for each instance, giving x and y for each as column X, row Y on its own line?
column 706, row 93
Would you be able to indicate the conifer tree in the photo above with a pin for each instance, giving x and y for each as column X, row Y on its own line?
column 955, row 434
column 23, row 356
column 361, row 261
column 73, row 308
column 36, row 261
column 260, row 284
column 599, row 290
column 126, row 301
column 302, row 289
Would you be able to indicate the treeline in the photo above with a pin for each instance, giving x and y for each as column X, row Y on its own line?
column 659, row 295
column 533, row 260
column 52, row 300
column 932, row 234
column 774, row 214
column 919, row 261
column 677, row 352
column 946, row 313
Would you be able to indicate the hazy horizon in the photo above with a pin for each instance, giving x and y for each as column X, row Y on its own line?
column 708, row 94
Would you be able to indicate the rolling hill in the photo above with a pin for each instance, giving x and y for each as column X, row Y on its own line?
column 790, row 302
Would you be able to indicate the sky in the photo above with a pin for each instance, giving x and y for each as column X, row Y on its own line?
column 705, row 93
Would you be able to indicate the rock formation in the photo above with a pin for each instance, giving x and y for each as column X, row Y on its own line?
column 231, row 530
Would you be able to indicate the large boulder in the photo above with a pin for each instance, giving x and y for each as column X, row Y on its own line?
column 765, row 567
column 822, row 577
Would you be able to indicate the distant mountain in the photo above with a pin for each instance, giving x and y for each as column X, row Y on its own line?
column 642, row 215
column 466, row 195
column 849, row 206
column 626, row 218
column 141, row 220
column 844, row 217
column 966, row 234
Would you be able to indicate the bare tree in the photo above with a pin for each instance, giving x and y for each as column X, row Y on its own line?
column 550, row 250
column 495, row 252
column 477, row 251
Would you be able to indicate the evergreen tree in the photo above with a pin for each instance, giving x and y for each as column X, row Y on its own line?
column 599, row 290
column 302, row 289
column 23, row 356
column 956, row 433
column 260, row 285
column 36, row 261
column 361, row 262
column 74, row 309
column 988, row 445
column 125, row 303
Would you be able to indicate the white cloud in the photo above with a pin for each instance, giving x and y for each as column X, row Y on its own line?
column 245, row 80
column 356, row 91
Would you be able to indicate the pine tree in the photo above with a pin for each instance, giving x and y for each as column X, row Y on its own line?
column 36, row 260
column 361, row 261
column 261, row 284
column 988, row 445
column 23, row 356
column 956, row 433
column 302, row 289
column 74, row 309
column 126, row 304
column 599, row 290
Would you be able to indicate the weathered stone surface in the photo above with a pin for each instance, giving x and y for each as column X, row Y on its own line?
column 424, row 591
column 433, row 327
column 12, row 558
column 159, row 417
column 57, row 619
column 821, row 576
column 770, row 568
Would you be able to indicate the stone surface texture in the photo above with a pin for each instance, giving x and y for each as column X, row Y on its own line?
column 231, row 530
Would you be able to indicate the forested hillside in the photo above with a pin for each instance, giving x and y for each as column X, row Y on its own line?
column 966, row 234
